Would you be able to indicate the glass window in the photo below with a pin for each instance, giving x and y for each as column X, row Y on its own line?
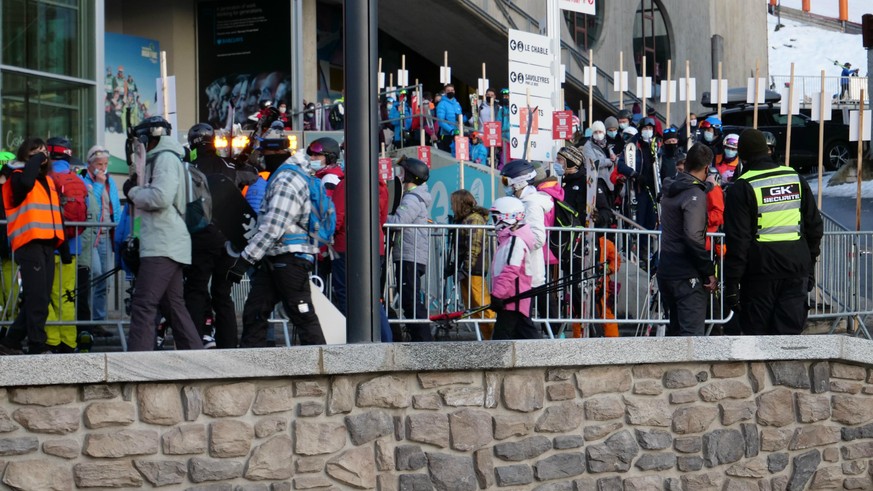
column 54, row 36
column 652, row 40
column 585, row 28
column 43, row 107
column 782, row 119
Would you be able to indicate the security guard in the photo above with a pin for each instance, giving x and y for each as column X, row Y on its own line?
column 773, row 231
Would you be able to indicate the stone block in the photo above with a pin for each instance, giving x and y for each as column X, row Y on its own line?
column 564, row 391
column 812, row 408
column 162, row 472
column 341, row 399
column 827, row 478
column 777, row 462
column 159, row 404
column 566, row 442
column 858, row 483
column 757, row 376
column 52, row 395
column 430, row 380
column 609, row 484
column 688, row 444
column 202, row 469
column 753, row 468
column 415, row 482
column 192, row 402
column 121, row 443
column 604, row 408
column 117, row 474
column 228, row 400
column 728, row 370
column 848, row 372
column 507, row 425
column 648, row 412
column 18, row 446
column 523, row 392
column 600, row 380
column 452, row 472
column 693, row 419
column 355, row 467
column 463, row 396
column 851, row 410
column 831, row 454
column 792, row 374
column 426, row 401
column 370, row 425
column 524, row 449
column 725, row 389
column 775, row 439
column 752, row 439
column 852, row 467
column 230, row 438
column 493, row 382
column 645, row 483
column 270, row 460
column 703, row 481
column 723, row 447
column 470, row 429
column 679, row 378
column 803, row 466
column 648, row 388
column 654, row 439
column 430, row 428
column 308, row 388
column 563, row 417
column 814, row 436
column 684, row 397
column 65, row 448
column 109, row 413
column 271, row 425
column 596, row 432
column 560, row 466
column 387, row 391
column 689, row 464
column 184, row 439
column 656, row 462
column 384, row 455
column 271, row 400
column 312, row 482
column 558, row 374
column 648, row 371
column 863, row 450
column 6, row 423
column 409, row 458
column 93, row 392
column 308, row 465
column 556, row 486
column 318, row 438
column 514, row 475
column 846, row 387
column 53, row 420
column 735, row 411
column 776, row 407
column 615, row 454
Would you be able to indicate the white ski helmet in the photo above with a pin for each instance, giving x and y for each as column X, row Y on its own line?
column 732, row 140
column 507, row 211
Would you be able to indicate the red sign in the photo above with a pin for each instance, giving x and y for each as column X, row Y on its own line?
column 386, row 169
column 492, row 134
column 462, row 148
column 522, row 123
column 562, row 125
column 424, row 155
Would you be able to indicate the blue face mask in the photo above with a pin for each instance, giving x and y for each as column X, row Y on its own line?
column 509, row 190
column 612, row 134
column 557, row 170
column 316, row 164
column 730, row 153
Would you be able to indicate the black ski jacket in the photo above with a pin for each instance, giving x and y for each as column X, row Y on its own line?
column 746, row 258
column 683, row 229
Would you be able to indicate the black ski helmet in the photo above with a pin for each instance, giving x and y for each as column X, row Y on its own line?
column 59, row 148
column 325, row 146
column 152, row 127
column 414, row 171
column 625, row 114
column 201, row 135
column 517, row 168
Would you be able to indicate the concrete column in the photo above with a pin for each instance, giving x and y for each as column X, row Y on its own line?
column 310, row 54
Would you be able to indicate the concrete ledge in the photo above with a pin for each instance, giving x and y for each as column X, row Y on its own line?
column 409, row 357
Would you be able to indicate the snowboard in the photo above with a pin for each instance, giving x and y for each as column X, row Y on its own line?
column 630, row 159
column 589, row 259
column 231, row 213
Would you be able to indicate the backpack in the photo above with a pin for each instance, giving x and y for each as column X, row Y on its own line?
column 198, row 199
column 565, row 244
column 73, row 194
column 322, row 213
column 337, row 116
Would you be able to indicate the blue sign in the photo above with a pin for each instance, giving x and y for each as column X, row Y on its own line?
column 446, row 180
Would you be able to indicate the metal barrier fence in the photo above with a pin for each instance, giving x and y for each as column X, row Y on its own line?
column 807, row 87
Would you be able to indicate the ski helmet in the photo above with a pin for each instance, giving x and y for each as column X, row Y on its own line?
column 671, row 132
column 732, row 141
column 152, row 127
column 628, row 134
column 507, row 211
column 714, row 122
column 518, row 173
column 625, row 114
column 324, row 146
column 201, row 135
column 414, row 171
column 59, row 148
column 647, row 122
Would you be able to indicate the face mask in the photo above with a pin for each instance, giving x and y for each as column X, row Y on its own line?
column 281, row 110
column 390, row 106
column 647, row 134
column 488, row 100
column 557, row 170
column 504, row 102
column 729, row 153
column 612, row 134
column 509, row 190
column 622, row 126
column 693, row 122
column 316, row 164
column 450, row 95
column 708, row 136
column 272, row 162
column 598, row 136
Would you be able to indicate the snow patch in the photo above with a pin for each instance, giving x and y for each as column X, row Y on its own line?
column 831, row 8
column 847, row 190
column 812, row 49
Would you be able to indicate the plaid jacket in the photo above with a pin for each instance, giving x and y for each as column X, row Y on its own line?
column 284, row 210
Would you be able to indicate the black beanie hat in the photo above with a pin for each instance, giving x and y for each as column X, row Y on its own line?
column 752, row 144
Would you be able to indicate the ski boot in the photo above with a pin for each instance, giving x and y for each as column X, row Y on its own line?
column 161, row 334
column 84, row 342
column 209, row 339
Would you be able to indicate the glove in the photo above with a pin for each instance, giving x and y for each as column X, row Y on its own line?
column 37, row 159
column 732, row 296
column 128, row 185
column 810, row 283
column 64, row 252
column 496, row 304
column 238, row 270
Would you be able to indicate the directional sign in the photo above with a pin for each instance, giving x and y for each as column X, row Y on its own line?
column 581, row 6
column 540, row 145
column 664, row 91
column 562, row 125
column 750, row 90
column 716, row 96
column 424, row 154
column 536, row 78
column 784, row 102
column 462, row 148
column 817, row 110
column 692, row 89
column 518, row 116
column 386, row 169
column 492, row 133
column 530, row 48
column 853, row 125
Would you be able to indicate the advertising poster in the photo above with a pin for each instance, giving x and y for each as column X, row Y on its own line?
column 244, row 57
column 132, row 65
column 445, row 180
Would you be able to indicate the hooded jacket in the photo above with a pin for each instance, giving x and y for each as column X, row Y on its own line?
column 511, row 267
column 552, row 188
column 575, row 190
column 414, row 242
column 746, row 258
column 683, row 229
column 159, row 203
column 536, row 205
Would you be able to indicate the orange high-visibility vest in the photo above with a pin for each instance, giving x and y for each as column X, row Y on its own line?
column 37, row 217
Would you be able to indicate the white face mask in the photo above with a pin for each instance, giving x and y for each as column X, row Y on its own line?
column 598, row 136
column 647, row 134
column 729, row 153
column 708, row 136
column 693, row 122
column 622, row 126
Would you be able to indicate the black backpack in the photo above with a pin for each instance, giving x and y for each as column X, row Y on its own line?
column 566, row 245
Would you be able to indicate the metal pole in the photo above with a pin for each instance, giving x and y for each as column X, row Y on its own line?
column 360, row 21
column 297, row 68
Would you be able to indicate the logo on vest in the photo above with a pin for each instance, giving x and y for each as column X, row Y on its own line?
column 778, row 194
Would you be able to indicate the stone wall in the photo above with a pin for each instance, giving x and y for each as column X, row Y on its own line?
column 777, row 425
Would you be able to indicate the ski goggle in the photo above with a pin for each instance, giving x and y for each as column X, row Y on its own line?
column 315, row 148
column 98, row 154
column 59, row 150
